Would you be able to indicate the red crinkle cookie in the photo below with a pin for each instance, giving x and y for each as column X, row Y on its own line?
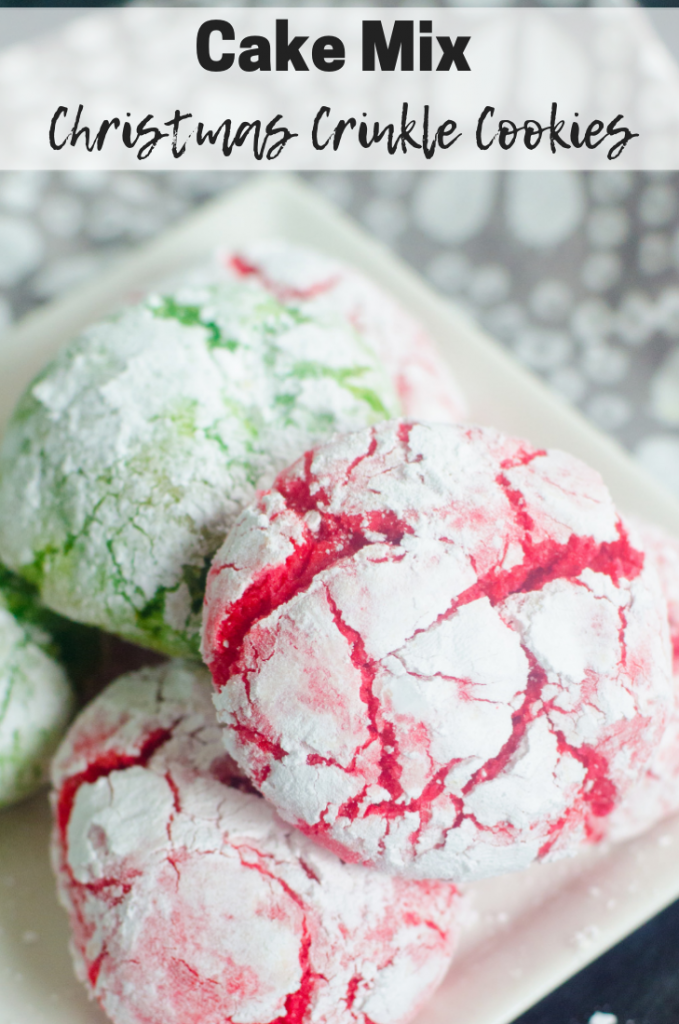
column 421, row 378
column 437, row 650
column 191, row 902
column 656, row 795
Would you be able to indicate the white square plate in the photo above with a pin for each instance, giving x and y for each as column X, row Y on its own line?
column 527, row 932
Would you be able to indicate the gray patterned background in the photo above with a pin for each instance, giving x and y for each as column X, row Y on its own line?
column 577, row 274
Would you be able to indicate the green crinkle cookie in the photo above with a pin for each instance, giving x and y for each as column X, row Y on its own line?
column 129, row 457
column 76, row 647
column 36, row 697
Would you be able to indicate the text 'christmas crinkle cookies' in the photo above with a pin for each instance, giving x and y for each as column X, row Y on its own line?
column 424, row 383
column 191, row 902
column 129, row 457
column 437, row 650
column 36, row 696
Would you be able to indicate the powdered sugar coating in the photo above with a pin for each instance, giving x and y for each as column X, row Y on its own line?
column 132, row 453
column 423, row 381
column 36, row 701
column 191, row 902
column 663, row 548
column 437, row 650
column 656, row 795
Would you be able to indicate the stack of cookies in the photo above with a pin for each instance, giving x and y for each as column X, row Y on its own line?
column 435, row 653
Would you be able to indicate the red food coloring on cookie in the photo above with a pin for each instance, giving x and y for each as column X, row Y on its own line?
column 437, row 650
column 191, row 902
column 108, row 761
column 656, row 795
column 284, row 292
column 419, row 375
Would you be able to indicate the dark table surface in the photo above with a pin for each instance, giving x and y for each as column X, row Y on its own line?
column 637, row 981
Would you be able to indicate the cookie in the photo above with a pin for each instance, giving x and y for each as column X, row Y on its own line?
column 438, row 650
column 37, row 699
column 423, row 380
column 130, row 456
column 656, row 795
column 191, row 902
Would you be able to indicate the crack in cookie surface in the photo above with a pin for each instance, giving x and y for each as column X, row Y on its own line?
column 438, row 650
column 191, row 902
